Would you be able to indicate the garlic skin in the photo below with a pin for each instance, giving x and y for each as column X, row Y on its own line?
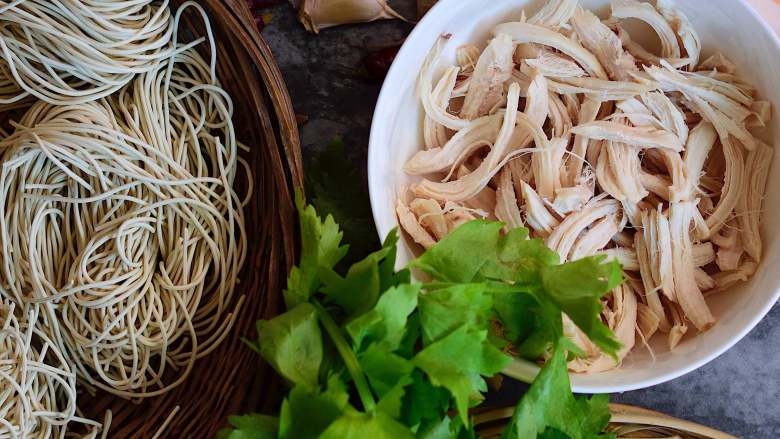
column 321, row 14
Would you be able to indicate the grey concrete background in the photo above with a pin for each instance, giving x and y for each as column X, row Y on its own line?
column 738, row 393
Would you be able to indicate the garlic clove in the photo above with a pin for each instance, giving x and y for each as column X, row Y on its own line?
column 321, row 14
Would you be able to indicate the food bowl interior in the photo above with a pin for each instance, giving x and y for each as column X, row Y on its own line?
column 729, row 26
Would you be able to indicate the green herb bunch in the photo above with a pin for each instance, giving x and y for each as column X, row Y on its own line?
column 370, row 353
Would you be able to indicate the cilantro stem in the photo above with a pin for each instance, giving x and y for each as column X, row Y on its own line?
column 350, row 360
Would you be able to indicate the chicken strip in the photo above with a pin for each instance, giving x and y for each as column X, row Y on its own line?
column 507, row 209
column 604, row 44
column 493, row 69
column 530, row 33
column 687, row 293
column 643, row 137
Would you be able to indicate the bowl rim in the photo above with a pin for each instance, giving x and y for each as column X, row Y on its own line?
column 520, row 368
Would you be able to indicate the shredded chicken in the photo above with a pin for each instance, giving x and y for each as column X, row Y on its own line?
column 727, row 279
column 507, row 209
column 610, row 135
column 647, row 321
column 656, row 184
column 430, row 215
column 412, row 226
column 467, row 57
column 625, row 255
column 605, row 89
column 604, row 44
column 750, row 203
column 424, row 90
column 730, row 247
column 479, row 133
column 642, row 137
column 588, row 111
column 718, row 62
column 436, row 133
column 703, row 254
column 624, row 239
column 669, row 116
column 522, row 172
column 703, row 280
column 601, row 89
column 546, row 164
column 493, row 68
column 761, row 112
column 572, row 107
column 716, row 93
column 596, row 237
column 643, row 55
column 537, row 215
column 623, row 161
column 679, row 327
column 559, row 116
column 530, row 33
column 733, row 185
column 563, row 238
column 674, row 167
column 555, row 65
column 684, row 30
column 468, row 186
column 647, row 13
column 658, row 238
column 457, row 215
column 687, row 293
column 571, row 199
column 621, row 316
column 554, row 14
column 701, row 140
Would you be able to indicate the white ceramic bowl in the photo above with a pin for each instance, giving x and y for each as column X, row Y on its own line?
column 730, row 26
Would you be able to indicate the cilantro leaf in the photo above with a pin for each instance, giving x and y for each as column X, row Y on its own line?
column 457, row 362
column 292, row 344
column 362, row 425
column 447, row 428
column 388, row 374
column 383, row 368
column 448, row 262
column 388, row 277
column 252, row 426
column 307, row 413
column 445, row 309
column 410, row 352
column 359, row 290
column 529, row 321
column 387, row 320
column 519, row 259
column 549, row 404
column 491, row 255
column 437, row 430
column 577, row 287
column 423, row 401
column 411, row 334
column 320, row 248
column 392, row 402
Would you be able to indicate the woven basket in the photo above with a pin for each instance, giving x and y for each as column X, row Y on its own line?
column 627, row 422
column 228, row 380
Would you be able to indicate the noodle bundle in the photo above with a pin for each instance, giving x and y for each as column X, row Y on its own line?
column 73, row 51
column 121, row 233
column 38, row 387
column 122, row 211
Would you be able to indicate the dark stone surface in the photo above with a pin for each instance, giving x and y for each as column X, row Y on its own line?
column 738, row 392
